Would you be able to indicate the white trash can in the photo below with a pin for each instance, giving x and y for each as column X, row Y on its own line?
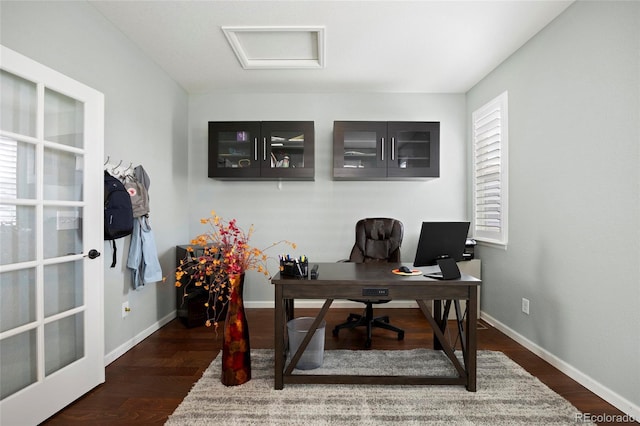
column 312, row 356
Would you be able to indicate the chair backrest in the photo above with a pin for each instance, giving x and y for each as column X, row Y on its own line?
column 377, row 240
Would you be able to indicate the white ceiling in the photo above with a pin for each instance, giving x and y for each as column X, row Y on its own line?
column 371, row 46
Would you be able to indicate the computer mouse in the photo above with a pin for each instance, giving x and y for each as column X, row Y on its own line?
column 405, row 269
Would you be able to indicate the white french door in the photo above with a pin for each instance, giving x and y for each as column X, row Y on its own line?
column 51, row 282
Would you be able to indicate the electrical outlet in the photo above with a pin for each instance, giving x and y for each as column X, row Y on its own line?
column 525, row 306
column 125, row 309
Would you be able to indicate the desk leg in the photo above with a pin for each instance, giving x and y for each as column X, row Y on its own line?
column 279, row 339
column 472, row 324
column 288, row 309
column 442, row 323
column 459, row 323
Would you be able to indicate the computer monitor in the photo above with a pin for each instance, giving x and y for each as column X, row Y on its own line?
column 440, row 240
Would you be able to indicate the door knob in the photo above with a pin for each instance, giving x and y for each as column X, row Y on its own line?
column 93, row 253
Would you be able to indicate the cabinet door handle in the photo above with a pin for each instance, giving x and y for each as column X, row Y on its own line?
column 393, row 149
column 382, row 148
column 264, row 149
column 255, row 149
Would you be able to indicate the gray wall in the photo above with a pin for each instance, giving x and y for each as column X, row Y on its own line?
column 574, row 233
column 145, row 123
column 320, row 216
column 574, row 149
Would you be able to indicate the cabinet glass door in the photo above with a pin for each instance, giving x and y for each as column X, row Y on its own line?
column 360, row 149
column 287, row 149
column 413, row 149
column 234, row 149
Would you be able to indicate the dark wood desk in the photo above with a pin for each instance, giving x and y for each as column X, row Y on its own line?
column 358, row 281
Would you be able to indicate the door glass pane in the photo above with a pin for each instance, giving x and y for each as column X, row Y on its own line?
column 413, row 149
column 62, row 231
column 234, row 149
column 18, row 234
column 19, row 104
column 360, row 149
column 286, row 148
column 63, row 342
column 63, row 119
column 63, row 288
column 18, row 368
column 17, row 170
column 17, row 298
column 63, row 175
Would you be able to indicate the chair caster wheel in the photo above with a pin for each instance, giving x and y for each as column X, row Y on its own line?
column 367, row 344
column 401, row 335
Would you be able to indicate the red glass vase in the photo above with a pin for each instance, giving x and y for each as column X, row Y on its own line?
column 236, row 353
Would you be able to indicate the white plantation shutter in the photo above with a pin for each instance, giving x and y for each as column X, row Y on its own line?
column 490, row 185
column 8, row 181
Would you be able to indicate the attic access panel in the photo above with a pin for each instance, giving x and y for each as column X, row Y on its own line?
column 277, row 47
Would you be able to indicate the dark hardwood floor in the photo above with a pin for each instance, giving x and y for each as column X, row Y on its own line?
column 147, row 383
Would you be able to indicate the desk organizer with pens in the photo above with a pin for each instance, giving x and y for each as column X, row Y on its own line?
column 294, row 267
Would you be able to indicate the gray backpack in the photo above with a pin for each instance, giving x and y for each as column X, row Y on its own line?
column 139, row 196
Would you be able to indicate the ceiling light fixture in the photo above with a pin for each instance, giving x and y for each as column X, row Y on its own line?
column 277, row 47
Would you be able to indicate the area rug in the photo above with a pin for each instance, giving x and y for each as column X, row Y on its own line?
column 506, row 395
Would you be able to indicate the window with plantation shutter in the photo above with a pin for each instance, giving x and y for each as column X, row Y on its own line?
column 490, row 183
column 8, row 181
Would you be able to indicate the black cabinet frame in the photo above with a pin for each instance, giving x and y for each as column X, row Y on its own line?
column 396, row 154
column 269, row 150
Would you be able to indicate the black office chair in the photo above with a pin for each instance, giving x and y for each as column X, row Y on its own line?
column 377, row 240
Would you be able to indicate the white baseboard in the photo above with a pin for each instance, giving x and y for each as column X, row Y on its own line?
column 621, row 403
column 122, row 349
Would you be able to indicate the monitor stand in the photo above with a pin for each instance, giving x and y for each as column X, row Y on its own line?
column 448, row 270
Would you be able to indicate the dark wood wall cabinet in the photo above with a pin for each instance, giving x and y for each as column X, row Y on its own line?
column 261, row 150
column 378, row 150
